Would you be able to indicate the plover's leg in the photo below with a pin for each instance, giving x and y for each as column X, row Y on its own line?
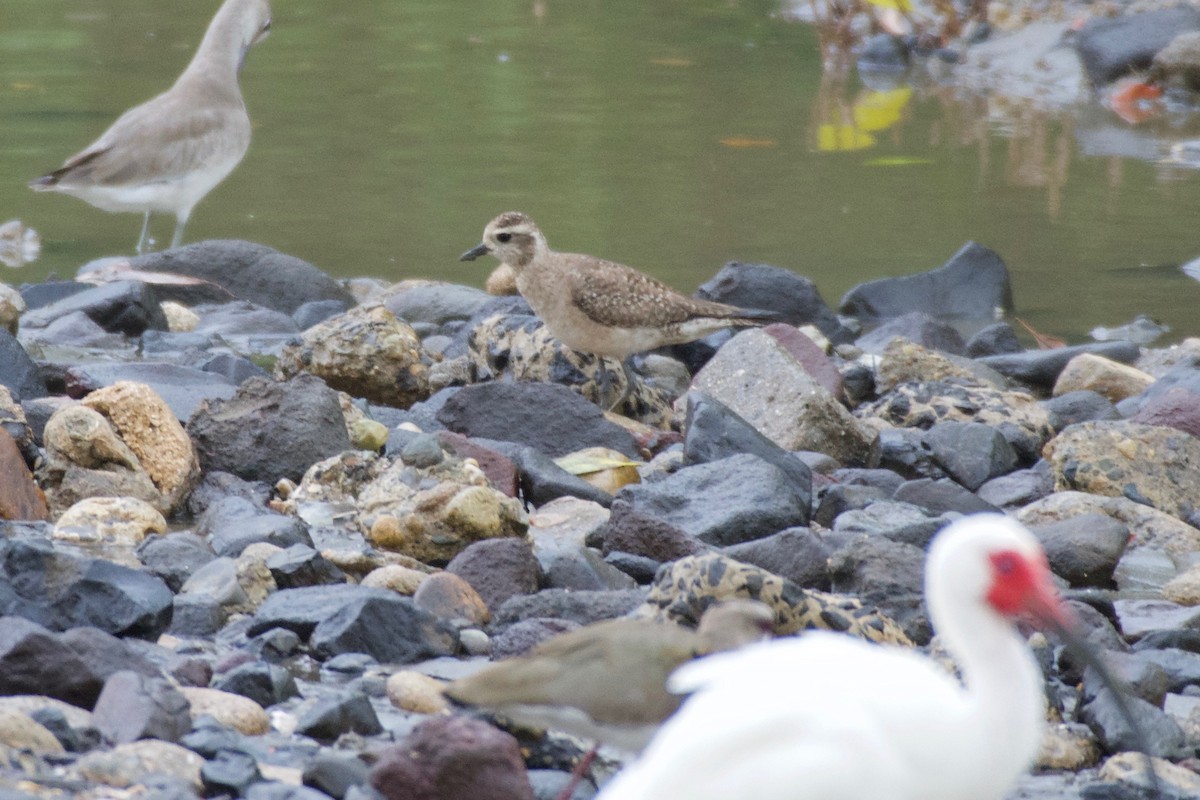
column 141, row 245
column 577, row 774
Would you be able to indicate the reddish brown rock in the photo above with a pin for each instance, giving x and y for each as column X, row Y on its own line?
column 499, row 468
column 811, row 357
column 453, row 757
column 20, row 497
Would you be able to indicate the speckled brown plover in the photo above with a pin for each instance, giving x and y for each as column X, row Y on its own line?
column 600, row 306
column 169, row 152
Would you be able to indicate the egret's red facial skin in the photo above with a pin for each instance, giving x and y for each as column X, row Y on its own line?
column 1023, row 586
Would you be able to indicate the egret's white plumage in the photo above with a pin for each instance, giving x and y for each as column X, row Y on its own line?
column 827, row 717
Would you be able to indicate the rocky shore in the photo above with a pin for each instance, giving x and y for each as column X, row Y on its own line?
column 253, row 518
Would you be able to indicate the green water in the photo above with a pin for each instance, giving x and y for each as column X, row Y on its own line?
column 673, row 135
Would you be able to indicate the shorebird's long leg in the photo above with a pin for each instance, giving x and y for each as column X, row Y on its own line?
column 141, row 245
column 180, row 223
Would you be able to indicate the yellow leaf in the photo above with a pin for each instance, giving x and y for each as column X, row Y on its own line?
column 747, row 141
column 834, row 138
column 877, row 111
column 898, row 5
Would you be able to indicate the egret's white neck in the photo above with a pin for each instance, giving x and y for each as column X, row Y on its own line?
column 1005, row 687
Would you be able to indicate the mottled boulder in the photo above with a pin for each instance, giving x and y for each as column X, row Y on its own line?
column 681, row 592
column 758, row 378
column 366, row 352
column 1152, row 465
column 430, row 513
column 520, row 346
column 903, row 361
column 457, row 756
column 270, row 430
column 1016, row 415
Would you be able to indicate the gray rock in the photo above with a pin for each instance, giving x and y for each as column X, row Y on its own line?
column 133, row 706
column 768, row 288
column 391, row 630
column 1041, row 368
column 887, row 574
column 301, row 565
column 1018, row 488
column 184, row 389
column 315, row 312
column 580, row 607
column 905, row 452
column 335, row 773
column 1161, row 734
column 44, row 293
column 29, row 653
column 128, row 307
column 330, row 717
column 174, row 557
column 541, row 479
column 497, row 569
column 232, row 524
column 270, row 430
column 521, row 637
column 265, row 684
column 118, row 600
column 1084, row 549
column 900, row 522
column 249, row 271
column 836, row 500
column 973, row 284
column 712, row 432
column 106, row 655
column 437, row 303
column 18, row 372
column 217, row 485
column 240, row 318
column 1079, row 406
column 917, row 327
column 639, row 533
column 546, row 416
column 299, row 610
column 229, row 772
column 724, row 502
column 941, row 496
column 993, row 340
column 197, row 616
column 972, row 453
column 797, row 554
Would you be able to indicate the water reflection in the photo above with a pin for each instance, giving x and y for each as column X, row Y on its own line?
column 670, row 136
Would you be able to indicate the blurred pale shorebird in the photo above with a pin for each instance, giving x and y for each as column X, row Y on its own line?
column 169, row 152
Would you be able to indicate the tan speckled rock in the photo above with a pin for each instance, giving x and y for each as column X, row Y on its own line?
column 113, row 520
column 1072, row 747
column 20, row 731
column 413, row 691
column 85, row 458
column 147, row 425
column 253, row 575
column 231, row 710
column 1184, row 588
column 12, row 306
column 1158, row 466
column 367, row 352
column 180, row 318
column 1104, row 376
column 402, row 580
column 127, row 764
column 903, row 361
column 1129, row 766
column 449, row 597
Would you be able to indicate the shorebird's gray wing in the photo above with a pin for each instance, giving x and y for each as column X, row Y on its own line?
column 620, row 296
column 162, row 139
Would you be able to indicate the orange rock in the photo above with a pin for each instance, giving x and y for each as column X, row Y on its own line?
column 20, row 497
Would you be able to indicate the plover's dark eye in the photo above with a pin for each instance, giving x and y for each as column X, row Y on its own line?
column 503, row 237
